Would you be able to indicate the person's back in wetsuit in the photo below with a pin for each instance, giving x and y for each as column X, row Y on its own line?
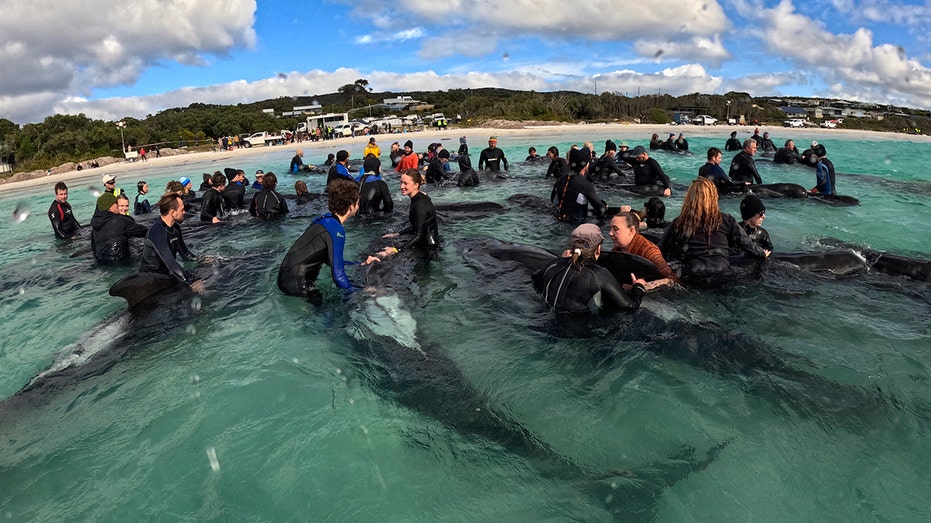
column 733, row 143
column 321, row 243
column 375, row 195
column 268, row 204
column 110, row 235
column 211, row 205
column 578, row 193
column 787, row 156
column 703, row 255
column 234, row 196
column 569, row 288
column 467, row 175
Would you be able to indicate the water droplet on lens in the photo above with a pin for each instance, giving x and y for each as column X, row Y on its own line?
column 888, row 160
column 352, row 401
column 20, row 213
column 94, row 192
column 212, row 458
column 191, row 329
column 22, row 291
column 196, row 304
column 195, row 378
column 295, row 361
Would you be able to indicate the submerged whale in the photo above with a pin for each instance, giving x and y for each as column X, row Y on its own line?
column 402, row 366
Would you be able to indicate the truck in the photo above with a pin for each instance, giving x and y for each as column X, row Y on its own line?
column 264, row 138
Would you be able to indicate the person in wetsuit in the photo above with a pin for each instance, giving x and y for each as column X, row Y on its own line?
column 436, row 170
column 604, row 166
column 787, row 155
column 322, row 243
column 655, row 143
column 142, row 206
column 624, row 232
column 647, row 171
column 712, row 170
column 681, row 143
column 573, row 192
column 212, row 205
column 753, row 212
column 733, row 144
column 111, row 229
column 700, row 239
column 743, row 168
column 558, row 165
column 64, row 224
column 492, row 158
column 374, row 193
column 425, row 235
column 767, row 145
column 268, row 204
column 468, row 177
column 824, row 171
column 302, row 193
column 340, row 169
column 577, row 284
column 234, row 194
column 164, row 242
column 670, row 143
column 297, row 162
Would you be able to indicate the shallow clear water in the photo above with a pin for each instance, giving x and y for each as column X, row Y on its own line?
column 250, row 405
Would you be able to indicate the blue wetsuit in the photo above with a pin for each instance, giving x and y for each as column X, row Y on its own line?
column 717, row 175
column 374, row 194
column 824, row 179
column 322, row 242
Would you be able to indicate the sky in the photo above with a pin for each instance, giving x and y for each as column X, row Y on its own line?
column 113, row 59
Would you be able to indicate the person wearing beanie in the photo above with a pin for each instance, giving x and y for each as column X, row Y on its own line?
column 491, row 158
column 142, row 207
column 573, row 191
column 234, row 195
column 670, row 143
column 212, row 204
column 824, row 170
column 604, row 166
column 753, row 212
column 681, row 143
column 463, row 146
column 374, row 193
column 340, row 168
column 436, row 170
column 576, row 284
column 733, row 144
column 409, row 160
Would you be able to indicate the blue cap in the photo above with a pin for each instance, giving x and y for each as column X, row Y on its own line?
column 185, row 180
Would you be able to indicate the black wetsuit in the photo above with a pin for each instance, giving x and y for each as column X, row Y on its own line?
column 602, row 168
column 568, row 289
column 436, row 171
column 682, row 144
column 767, row 145
column 162, row 244
column 235, row 196
column 656, row 144
column 573, row 193
column 491, row 159
column 110, row 235
column 743, row 169
column 759, row 141
column 758, row 235
column 670, row 144
column 211, row 206
column 787, row 156
column 650, row 173
column 297, row 164
column 375, row 196
column 717, row 175
column 701, row 255
column 267, row 204
column 467, row 175
column 141, row 207
column 63, row 222
column 557, row 168
column 338, row 170
column 733, row 144
column 321, row 243
column 423, row 224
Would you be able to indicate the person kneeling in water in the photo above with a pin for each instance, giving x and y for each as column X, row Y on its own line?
column 578, row 284
column 321, row 243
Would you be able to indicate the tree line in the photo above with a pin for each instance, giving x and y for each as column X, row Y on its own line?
column 76, row 138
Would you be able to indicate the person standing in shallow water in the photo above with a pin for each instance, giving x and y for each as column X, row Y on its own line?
column 64, row 224
column 491, row 158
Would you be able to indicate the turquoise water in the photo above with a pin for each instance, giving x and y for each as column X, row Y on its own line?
column 250, row 405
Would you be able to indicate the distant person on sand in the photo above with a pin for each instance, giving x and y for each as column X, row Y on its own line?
column 60, row 214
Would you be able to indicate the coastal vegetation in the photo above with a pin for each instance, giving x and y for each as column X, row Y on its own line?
column 77, row 138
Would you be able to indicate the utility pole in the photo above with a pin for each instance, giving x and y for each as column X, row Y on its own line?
column 121, row 125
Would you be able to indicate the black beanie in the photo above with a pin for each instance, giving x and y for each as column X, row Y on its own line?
column 750, row 206
column 443, row 153
column 609, row 146
column 371, row 165
column 409, row 144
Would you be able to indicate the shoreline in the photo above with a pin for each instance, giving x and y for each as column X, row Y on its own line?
column 645, row 130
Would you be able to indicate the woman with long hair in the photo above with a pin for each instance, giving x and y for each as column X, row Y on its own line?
column 423, row 223
column 700, row 239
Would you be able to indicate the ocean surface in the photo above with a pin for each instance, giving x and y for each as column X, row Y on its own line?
column 786, row 396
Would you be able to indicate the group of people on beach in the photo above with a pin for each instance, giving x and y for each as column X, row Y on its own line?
column 697, row 244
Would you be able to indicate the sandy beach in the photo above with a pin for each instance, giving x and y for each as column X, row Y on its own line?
column 476, row 136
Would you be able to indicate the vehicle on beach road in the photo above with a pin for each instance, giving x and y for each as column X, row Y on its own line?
column 344, row 130
column 704, row 119
column 263, row 138
column 794, row 122
column 829, row 124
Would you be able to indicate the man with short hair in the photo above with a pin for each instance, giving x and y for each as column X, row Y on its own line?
column 491, row 158
column 212, row 205
column 60, row 214
column 234, row 194
column 164, row 242
column 743, row 168
column 340, row 168
column 787, row 155
column 647, row 171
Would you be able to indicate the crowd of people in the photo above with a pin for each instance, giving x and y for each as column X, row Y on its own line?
column 697, row 244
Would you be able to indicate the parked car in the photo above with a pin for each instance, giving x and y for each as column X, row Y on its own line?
column 794, row 122
column 343, row 129
column 829, row 124
column 704, row 119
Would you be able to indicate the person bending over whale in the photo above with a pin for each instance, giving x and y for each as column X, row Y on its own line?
column 268, row 203
column 647, row 171
column 322, row 242
column 573, row 191
column 112, row 228
column 699, row 240
column 164, row 242
column 743, row 168
column 578, row 285
column 712, row 170
column 787, row 155
column 625, row 234
column 374, row 193
column 422, row 216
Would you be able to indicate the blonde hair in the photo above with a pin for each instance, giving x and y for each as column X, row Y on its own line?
column 699, row 210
